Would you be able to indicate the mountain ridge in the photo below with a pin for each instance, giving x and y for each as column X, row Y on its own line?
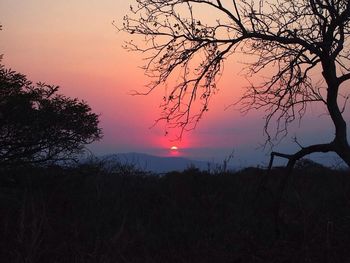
column 159, row 164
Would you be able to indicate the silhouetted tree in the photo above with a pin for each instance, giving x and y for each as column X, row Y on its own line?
column 294, row 39
column 1, row 55
column 37, row 125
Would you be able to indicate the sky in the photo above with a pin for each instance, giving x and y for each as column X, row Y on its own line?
column 73, row 44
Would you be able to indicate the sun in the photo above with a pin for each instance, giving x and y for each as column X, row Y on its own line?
column 174, row 148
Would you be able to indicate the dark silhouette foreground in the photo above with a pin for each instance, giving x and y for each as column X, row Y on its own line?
column 86, row 215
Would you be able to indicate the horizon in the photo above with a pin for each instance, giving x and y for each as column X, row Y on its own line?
column 75, row 46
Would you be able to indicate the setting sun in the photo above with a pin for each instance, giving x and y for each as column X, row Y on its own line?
column 174, row 148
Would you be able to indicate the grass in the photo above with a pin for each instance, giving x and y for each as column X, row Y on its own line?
column 87, row 214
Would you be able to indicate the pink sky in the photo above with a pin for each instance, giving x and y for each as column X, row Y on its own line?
column 73, row 44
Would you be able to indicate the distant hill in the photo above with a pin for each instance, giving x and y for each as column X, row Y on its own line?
column 158, row 164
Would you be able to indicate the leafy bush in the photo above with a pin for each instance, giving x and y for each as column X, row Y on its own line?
column 37, row 125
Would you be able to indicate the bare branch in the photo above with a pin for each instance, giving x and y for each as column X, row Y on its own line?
column 293, row 39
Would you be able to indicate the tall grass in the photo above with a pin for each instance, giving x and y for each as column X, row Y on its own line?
column 89, row 214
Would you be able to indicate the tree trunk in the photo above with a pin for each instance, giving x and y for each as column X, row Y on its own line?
column 340, row 142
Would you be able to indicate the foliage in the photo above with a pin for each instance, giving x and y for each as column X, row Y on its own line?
column 86, row 214
column 295, row 40
column 37, row 125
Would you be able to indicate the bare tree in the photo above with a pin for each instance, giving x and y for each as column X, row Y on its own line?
column 294, row 39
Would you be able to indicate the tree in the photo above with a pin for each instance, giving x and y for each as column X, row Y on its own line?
column 1, row 55
column 295, row 39
column 39, row 126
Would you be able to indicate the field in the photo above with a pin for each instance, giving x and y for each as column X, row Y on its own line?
column 88, row 214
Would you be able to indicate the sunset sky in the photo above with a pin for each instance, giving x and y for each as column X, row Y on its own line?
column 73, row 44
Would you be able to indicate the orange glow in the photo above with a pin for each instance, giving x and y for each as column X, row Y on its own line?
column 174, row 148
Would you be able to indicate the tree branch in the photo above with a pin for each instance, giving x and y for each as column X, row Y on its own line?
column 293, row 158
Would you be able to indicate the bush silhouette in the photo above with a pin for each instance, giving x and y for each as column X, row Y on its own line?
column 88, row 214
column 37, row 125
